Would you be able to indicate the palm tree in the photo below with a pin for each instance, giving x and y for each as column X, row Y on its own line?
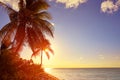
column 45, row 48
column 27, row 25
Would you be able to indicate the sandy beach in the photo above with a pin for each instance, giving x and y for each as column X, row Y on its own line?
column 45, row 76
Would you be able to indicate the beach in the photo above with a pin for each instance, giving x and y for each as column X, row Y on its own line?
column 46, row 76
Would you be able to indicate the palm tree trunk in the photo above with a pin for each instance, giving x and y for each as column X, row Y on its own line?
column 41, row 58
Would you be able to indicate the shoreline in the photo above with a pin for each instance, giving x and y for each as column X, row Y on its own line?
column 46, row 76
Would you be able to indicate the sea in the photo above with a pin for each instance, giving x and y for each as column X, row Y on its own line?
column 85, row 73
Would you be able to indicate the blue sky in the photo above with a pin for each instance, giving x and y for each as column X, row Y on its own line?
column 86, row 32
column 84, row 36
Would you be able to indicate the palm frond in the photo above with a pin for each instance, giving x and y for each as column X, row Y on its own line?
column 21, row 4
column 45, row 43
column 45, row 26
column 34, row 54
column 30, row 40
column 33, row 40
column 19, row 38
column 9, row 9
column 13, row 16
column 4, row 30
column 38, row 32
column 7, row 37
column 43, row 15
column 51, row 50
column 29, row 2
column 48, row 56
column 37, row 5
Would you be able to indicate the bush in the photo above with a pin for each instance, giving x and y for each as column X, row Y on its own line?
column 12, row 67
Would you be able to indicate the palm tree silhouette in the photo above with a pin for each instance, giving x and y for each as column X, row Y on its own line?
column 27, row 25
column 45, row 48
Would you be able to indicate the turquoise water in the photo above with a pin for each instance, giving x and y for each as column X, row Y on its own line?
column 86, row 74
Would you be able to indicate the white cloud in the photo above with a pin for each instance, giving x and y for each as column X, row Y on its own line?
column 12, row 3
column 71, row 3
column 118, row 3
column 109, row 6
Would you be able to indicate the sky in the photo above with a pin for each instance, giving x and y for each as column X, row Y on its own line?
column 87, row 33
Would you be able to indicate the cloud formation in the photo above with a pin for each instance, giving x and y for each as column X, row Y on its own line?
column 71, row 3
column 12, row 3
column 109, row 6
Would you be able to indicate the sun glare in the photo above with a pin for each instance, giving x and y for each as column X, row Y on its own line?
column 36, row 59
column 46, row 50
column 48, row 70
column 26, row 53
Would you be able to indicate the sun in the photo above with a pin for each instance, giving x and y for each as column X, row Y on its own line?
column 46, row 50
column 48, row 70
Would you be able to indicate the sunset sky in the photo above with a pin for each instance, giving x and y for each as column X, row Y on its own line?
column 87, row 33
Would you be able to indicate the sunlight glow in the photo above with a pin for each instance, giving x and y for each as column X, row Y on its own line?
column 53, row 24
column 48, row 70
column 36, row 59
column 46, row 50
column 26, row 53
